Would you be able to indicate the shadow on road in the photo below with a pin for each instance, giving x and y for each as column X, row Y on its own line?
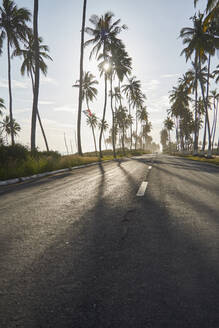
column 104, row 271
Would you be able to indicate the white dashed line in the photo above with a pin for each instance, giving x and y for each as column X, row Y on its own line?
column 142, row 189
column 150, row 167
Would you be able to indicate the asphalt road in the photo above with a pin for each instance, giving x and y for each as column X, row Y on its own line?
column 81, row 250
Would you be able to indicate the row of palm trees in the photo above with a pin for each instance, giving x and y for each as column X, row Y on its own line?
column 23, row 41
column 193, row 97
column 115, row 65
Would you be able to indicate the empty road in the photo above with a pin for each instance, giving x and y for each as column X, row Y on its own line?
column 123, row 244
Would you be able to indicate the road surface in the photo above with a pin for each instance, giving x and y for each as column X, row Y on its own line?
column 83, row 250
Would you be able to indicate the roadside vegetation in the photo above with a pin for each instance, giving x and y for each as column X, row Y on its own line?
column 213, row 160
column 194, row 101
column 17, row 161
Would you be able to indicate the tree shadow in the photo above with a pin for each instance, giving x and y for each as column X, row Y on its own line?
column 120, row 268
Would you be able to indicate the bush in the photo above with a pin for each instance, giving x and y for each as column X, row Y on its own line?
column 12, row 153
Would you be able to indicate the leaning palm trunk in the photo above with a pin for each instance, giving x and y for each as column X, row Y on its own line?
column 103, row 118
column 207, row 121
column 38, row 116
column 95, row 144
column 113, row 117
column 37, row 75
column 10, row 93
column 81, row 81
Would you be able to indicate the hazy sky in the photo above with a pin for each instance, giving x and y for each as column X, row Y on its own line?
column 151, row 40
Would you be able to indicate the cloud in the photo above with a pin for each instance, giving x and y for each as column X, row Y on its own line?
column 164, row 76
column 48, row 80
column 65, row 108
column 15, row 84
column 22, row 110
column 46, row 102
column 150, row 85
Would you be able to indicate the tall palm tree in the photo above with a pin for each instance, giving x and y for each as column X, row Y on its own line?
column 201, row 41
column 135, row 99
column 104, row 38
column 123, row 122
column 92, row 121
column 28, row 66
column 36, row 76
column 197, row 42
column 120, row 66
column 89, row 93
column 80, row 99
column 169, row 124
column 13, row 27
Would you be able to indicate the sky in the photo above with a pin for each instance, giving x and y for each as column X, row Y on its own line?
column 152, row 40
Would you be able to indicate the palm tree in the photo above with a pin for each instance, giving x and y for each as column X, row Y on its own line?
column 200, row 40
column 92, row 122
column 104, row 37
column 212, row 10
column 123, row 122
column 168, row 124
column 89, row 91
column 13, row 27
column 215, row 74
column 80, row 99
column 28, row 66
column 6, row 126
column 135, row 99
column 36, row 76
column 164, row 138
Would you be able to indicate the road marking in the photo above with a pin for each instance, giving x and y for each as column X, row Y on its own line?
column 142, row 189
column 150, row 167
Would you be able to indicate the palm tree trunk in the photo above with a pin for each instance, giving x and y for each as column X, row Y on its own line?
column 207, row 121
column 10, row 93
column 206, row 110
column 196, row 104
column 103, row 118
column 37, row 75
column 215, row 125
column 81, row 80
column 113, row 117
column 66, row 146
column 123, row 138
column 130, row 127
column 204, row 137
column 104, row 140
column 136, row 129
column 38, row 115
column 95, row 144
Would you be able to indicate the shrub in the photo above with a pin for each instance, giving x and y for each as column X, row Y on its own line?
column 12, row 153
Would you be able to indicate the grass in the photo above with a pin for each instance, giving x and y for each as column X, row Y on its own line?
column 213, row 160
column 16, row 167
